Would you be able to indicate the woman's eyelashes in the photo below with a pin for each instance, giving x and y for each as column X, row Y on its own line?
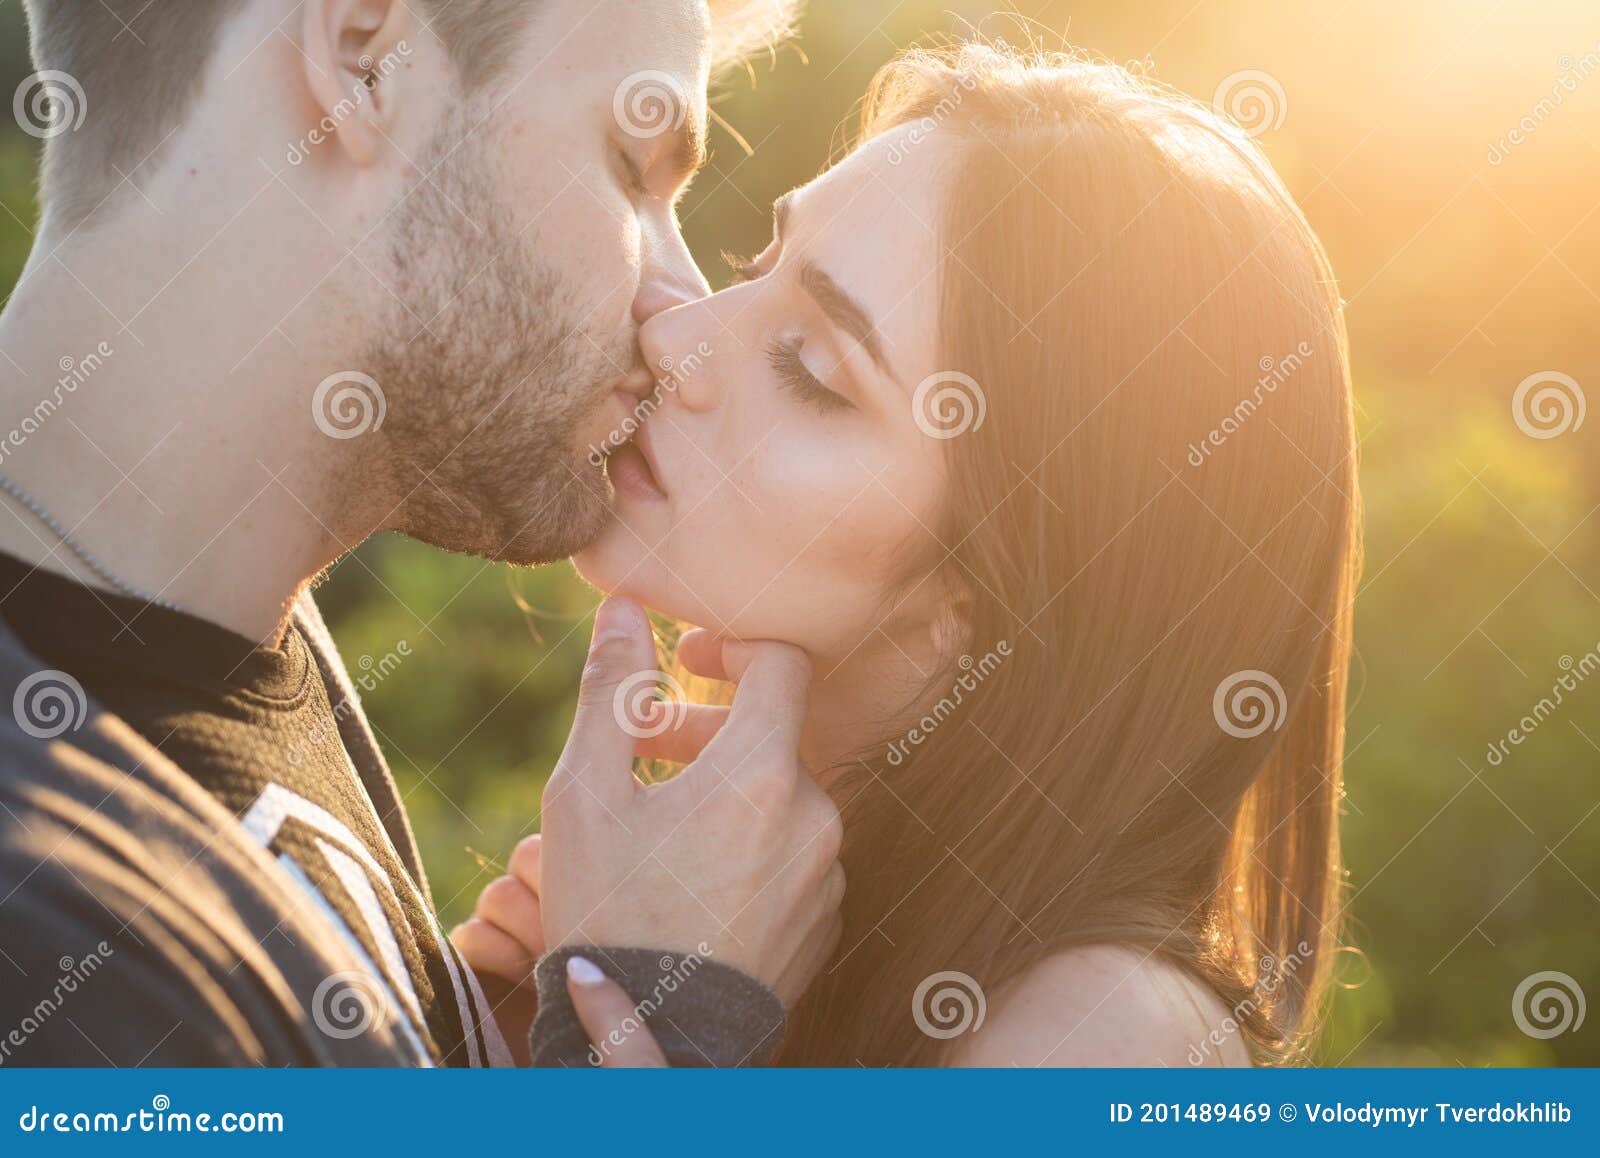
column 783, row 354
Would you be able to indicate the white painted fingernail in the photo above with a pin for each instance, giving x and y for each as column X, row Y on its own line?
column 584, row 971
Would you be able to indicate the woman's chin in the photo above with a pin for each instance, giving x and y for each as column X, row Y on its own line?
column 596, row 567
column 614, row 567
column 618, row 563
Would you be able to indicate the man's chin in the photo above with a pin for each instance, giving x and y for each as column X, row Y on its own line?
column 576, row 526
column 538, row 532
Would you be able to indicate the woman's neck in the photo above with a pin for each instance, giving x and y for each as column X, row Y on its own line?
column 863, row 704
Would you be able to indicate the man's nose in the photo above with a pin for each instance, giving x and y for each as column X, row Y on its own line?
column 670, row 278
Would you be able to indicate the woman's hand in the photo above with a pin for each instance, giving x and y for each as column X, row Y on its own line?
column 504, row 940
column 611, row 1019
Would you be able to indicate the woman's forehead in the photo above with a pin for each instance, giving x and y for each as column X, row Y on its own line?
column 873, row 223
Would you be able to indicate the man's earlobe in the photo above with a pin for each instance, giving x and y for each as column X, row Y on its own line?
column 352, row 53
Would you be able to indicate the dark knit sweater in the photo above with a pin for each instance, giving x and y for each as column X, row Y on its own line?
column 219, row 818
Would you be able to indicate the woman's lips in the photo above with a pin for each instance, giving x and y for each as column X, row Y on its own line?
column 630, row 473
column 646, row 446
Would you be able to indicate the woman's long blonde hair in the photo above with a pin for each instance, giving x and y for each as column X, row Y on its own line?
column 1158, row 517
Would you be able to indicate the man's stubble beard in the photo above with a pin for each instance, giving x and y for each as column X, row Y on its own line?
column 486, row 373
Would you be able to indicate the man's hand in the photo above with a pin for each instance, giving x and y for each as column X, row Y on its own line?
column 735, row 858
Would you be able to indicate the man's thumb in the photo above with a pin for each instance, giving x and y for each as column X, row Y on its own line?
column 616, row 696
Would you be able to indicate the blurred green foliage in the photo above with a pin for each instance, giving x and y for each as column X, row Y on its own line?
column 1461, row 276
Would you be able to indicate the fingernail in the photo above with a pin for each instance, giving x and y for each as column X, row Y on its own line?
column 616, row 619
column 584, row 971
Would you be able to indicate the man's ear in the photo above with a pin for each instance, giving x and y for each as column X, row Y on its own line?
column 351, row 50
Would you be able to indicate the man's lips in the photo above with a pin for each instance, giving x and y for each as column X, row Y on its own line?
column 638, row 384
column 619, row 413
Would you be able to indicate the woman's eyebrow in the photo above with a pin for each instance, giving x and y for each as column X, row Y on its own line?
column 841, row 308
column 845, row 312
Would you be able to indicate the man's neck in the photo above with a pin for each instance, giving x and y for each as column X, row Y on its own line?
column 162, row 433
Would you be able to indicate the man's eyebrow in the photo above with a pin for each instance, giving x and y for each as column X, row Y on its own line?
column 845, row 312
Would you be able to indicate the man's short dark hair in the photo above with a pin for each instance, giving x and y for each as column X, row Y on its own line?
column 139, row 63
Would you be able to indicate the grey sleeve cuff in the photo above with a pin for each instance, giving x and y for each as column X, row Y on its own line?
column 701, row 1013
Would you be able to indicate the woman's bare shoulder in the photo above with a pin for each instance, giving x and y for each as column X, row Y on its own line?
column 1103, row 1005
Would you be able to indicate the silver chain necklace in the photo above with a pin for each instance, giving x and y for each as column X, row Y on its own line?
column 34, row 508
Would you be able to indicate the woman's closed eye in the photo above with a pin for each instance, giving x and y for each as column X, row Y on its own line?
column 783, row 354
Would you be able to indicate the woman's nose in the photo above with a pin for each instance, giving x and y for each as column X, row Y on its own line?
column 677, row 347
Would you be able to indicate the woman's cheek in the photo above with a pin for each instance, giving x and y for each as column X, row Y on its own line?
column 846, row 568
